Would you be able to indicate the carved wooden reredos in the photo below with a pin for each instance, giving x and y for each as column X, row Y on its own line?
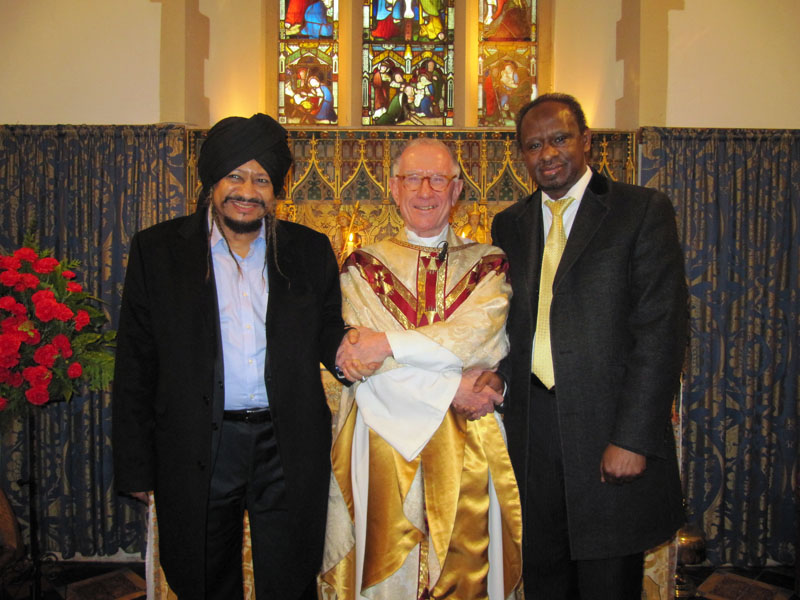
column 336, row 169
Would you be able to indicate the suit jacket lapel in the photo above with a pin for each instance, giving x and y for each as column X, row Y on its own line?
column 279, row 282
column 591, row 213
column 198, row 273
column 529, row 230
column 529, row 234
column 198, row 279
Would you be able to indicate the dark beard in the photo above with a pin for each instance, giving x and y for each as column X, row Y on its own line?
column 241, row 226
column 244, row 226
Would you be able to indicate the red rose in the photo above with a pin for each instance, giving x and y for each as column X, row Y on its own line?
column 28, row 254
column 34, row 337
column 9, row 262
column 8, row 303
column 67, row 274
column 43, row 296
column 38, row 375
column 63, row 312
column 74, row 287
column 75, row 370
column 11, row 305
column 15, row 325
column 7, row 361
column 37, row 395
column 62, row 343
column 12, row 378
column 3, row 403
column 45, row 303
column 46, row 311
column 46, row 355
column 9, row 350
column 9, row 344
column 15, row 379
column 27, row 281
column 9, row 278
column 81, row 320
column 45, row 265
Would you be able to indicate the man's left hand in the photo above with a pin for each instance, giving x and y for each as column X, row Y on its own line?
column 620, row 465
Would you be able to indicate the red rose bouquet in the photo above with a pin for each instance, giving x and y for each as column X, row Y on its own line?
column 51, row 337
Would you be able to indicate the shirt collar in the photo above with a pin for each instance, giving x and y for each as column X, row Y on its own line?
column 576, row 191
column 428, row 242
column 216, row 235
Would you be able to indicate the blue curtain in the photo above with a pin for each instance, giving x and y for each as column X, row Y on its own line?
column 86, row 191
column 737, row 197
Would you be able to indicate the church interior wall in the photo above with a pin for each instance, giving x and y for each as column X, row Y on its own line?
column 674, row 63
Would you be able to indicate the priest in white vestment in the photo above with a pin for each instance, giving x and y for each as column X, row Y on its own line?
column 423, row 501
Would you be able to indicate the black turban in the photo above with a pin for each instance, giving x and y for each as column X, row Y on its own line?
column 236, row 140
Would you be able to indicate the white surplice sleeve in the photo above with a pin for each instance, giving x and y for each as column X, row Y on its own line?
column 405, row 406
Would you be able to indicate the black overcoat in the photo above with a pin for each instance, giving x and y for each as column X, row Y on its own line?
column 618, row 328
column 168, row 387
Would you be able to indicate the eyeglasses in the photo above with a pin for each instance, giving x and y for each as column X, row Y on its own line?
column 438, row 183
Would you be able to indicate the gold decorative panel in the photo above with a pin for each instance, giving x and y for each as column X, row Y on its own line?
column 339, row 183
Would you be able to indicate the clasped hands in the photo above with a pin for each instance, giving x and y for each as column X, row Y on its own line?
column 363, row 350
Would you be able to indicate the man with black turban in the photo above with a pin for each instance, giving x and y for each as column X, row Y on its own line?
column 218, row 404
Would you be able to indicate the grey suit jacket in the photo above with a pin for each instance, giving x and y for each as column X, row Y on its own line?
column 618, row 328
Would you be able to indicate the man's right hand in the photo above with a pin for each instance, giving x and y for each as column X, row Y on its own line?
column 493, row 380
column 474, row 398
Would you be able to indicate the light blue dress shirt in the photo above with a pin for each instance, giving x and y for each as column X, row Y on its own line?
column 242, row 300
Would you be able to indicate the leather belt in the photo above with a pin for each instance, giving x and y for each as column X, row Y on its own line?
column 248, row 415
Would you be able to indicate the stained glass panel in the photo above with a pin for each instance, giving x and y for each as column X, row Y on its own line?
column 408, row 84
column 507, row 20
column 308, row 82
column 309, row 19
column 399, row 21
column 507, row 81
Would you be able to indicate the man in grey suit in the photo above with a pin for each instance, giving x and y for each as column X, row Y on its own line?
column 598, row 329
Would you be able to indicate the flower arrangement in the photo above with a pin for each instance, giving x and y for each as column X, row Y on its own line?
column 51, row 338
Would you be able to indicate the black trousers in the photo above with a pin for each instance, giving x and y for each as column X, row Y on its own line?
column 247, row 475
column 549, row 572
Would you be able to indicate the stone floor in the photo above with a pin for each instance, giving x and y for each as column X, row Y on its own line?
column 57, row 576
column 780, row 576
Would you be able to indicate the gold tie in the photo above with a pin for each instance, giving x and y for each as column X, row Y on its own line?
column 542, row 365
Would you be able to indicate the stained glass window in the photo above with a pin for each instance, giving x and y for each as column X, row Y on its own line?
column 308, row 69
column 507, row 60
column 507, row 20
column 423, row 21
column 407, row 62
column 309, row 19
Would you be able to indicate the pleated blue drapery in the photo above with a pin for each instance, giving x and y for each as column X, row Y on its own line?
column 737, row 198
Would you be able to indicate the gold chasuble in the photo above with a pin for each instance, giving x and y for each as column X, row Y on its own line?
column 423, row 503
